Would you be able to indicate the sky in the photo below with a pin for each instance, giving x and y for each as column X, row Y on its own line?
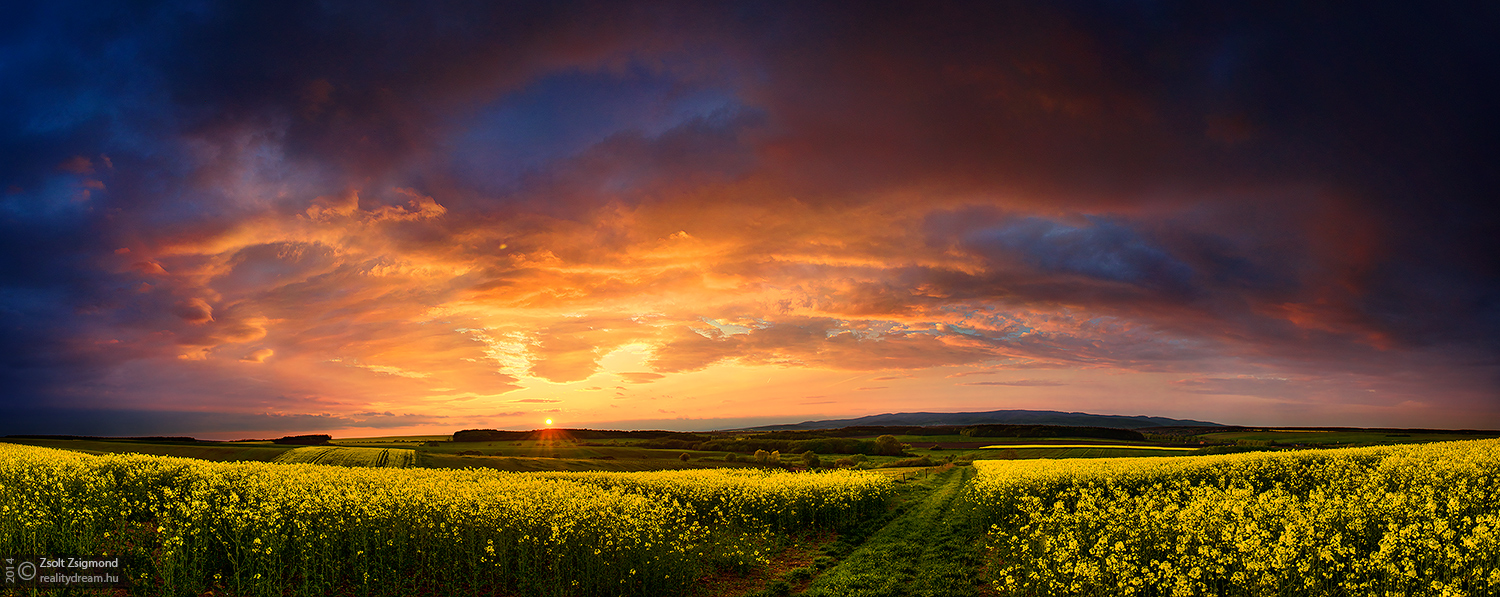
column 252, row 219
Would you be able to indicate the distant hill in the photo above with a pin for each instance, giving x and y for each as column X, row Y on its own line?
column 996, row 417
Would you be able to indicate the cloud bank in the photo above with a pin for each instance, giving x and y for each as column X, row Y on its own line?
column 282, row 215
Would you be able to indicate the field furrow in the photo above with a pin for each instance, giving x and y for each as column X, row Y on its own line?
column 342, row 456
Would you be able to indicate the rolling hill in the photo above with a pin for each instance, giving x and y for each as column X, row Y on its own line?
column 996, row 417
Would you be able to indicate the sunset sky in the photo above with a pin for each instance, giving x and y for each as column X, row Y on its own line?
column 242, row 219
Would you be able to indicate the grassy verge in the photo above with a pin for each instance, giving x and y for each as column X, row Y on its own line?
column 931, row 548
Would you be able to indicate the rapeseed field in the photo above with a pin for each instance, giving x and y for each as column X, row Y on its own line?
column 190, row 526
column 1411, row 520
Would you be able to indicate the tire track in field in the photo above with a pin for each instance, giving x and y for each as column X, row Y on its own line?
column 323, row 455
column 932, row 550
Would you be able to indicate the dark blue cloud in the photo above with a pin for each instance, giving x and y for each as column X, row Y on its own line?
column 123, row 124
column 1098, row 248
column 563, row 115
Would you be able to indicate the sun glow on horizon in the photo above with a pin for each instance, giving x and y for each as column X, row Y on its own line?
column 665, row 229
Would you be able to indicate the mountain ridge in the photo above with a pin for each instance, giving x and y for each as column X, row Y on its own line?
column 995, row 417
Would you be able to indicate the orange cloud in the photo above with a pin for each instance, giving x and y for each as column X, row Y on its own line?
column 194, row 310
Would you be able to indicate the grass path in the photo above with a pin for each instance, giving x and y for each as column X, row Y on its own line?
column 931, row 549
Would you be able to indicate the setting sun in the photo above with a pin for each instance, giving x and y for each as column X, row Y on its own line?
column 549, row 421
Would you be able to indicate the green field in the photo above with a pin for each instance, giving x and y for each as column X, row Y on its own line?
column 344, row 456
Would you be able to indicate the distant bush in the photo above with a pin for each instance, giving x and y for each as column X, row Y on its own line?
column 684, row 457
column 731, row 457
column 810, row 459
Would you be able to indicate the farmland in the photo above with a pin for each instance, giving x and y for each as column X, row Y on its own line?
column 574, row 450
column 343, row 456
column 302, row 529
column 616, row 516
column 1390, row 520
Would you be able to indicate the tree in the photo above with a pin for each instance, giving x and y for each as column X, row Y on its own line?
column 684, row 457
column 810, row 459
column 761, row 456
column 888, row 445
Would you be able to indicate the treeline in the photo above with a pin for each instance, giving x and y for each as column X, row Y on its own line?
column 494, row 435
column 1051, row 431
column 304, row 440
